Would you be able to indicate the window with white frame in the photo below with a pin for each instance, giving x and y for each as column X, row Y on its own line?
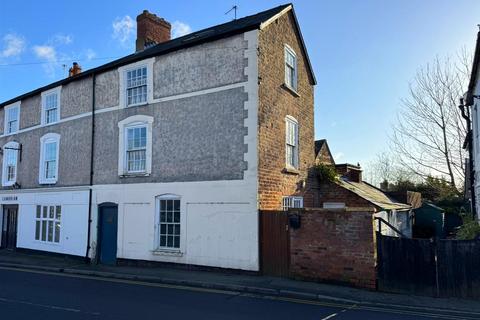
column 10, row 158
column 48, row 223
column 290, row 68
column 169, row 224
column 136, row 86
column 291, row 142
column 12, row 118
column 51, row 106
column 49, row 154
column 135, row 145
column 292, row 202
column 136, row 148
column 136, row 83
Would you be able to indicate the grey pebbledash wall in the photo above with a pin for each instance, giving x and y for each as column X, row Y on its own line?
column 194, row 139
column 199, row 138
column 74, row 155
column 209, row 65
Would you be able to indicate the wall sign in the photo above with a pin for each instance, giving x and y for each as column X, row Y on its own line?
column 10, row 198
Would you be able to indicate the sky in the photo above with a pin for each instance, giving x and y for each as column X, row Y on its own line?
column 364, row 53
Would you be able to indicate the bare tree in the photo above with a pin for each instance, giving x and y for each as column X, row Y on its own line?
column 428, row 135
column 385, row 167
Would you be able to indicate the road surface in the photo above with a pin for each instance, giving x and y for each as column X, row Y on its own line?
column 42, row 295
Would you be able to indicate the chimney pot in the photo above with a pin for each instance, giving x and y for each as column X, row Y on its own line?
column 151, row 30
column 74, row 70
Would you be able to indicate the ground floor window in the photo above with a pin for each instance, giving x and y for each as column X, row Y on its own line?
column 292, row 202
column 48, row 223
column 169, row 222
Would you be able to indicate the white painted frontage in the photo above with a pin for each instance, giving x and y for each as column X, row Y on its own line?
column 219, row 219
column 74, row 219
column 476, row 144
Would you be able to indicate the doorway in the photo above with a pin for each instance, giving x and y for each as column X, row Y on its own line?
column 107, row 233
column 9, row 230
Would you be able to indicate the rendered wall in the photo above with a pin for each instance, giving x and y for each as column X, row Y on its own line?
column 73, row 235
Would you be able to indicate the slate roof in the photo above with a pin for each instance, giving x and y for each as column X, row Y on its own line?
column 372, row 194
column 206, row 35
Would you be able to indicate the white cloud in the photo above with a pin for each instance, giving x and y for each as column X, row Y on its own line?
column 123, row 29
column 14, row 45
column 337, row 156
column 90, row 54
column 49, row 55
column 180, row 29
column 62, row 39
column 45, row 52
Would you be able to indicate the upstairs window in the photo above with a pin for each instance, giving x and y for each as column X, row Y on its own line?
column 136, row 86
column 290, row 68
column 10, row 158
column 292, row 202
column 12, row 118
column 51, row 106
column 291, row 142
column 136, row 148
column 136, row 83
column 49, row 158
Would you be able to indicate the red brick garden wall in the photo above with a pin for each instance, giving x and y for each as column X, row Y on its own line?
column 334, row 245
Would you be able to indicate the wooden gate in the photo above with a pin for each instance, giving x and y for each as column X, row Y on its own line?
column 274, row 243
column 406, row 265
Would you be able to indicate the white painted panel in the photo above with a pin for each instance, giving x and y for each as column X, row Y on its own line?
column 73, row 239
column 137, row 226
column 222, row 235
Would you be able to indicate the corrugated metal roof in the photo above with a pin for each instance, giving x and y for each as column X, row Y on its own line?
column 372, row 195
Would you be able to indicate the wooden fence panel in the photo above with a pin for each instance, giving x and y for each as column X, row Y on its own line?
column 459, row 268
column 406, row 265
column 274, row 243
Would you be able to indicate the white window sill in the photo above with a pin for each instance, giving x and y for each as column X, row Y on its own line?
column 9, row 133
column 291, row 90
column 291, row 170
column 48, row 182
column 134, row 174
column 167, row 252
column 137, row 104
column 8, row 184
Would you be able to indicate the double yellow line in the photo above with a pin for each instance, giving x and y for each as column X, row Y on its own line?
column 448, row 315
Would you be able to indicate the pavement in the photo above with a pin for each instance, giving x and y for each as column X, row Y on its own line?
column 244, row 284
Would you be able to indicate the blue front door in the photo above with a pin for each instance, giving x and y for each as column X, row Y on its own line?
column 108, row 234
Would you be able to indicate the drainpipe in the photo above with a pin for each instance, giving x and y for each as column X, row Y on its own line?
column 90, row 195
column 466, row 116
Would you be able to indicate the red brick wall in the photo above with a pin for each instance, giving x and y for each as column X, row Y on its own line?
column 334, row 246
column 275, row 103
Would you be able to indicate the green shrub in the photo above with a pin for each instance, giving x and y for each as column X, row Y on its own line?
column 326, row 173
column 470, row 228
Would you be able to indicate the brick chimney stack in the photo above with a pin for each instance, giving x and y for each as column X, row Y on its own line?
column 350, row 171
column 74, row 70
column 151, row 30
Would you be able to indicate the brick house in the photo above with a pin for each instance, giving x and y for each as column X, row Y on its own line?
column 166, row 154
column 350, row 191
